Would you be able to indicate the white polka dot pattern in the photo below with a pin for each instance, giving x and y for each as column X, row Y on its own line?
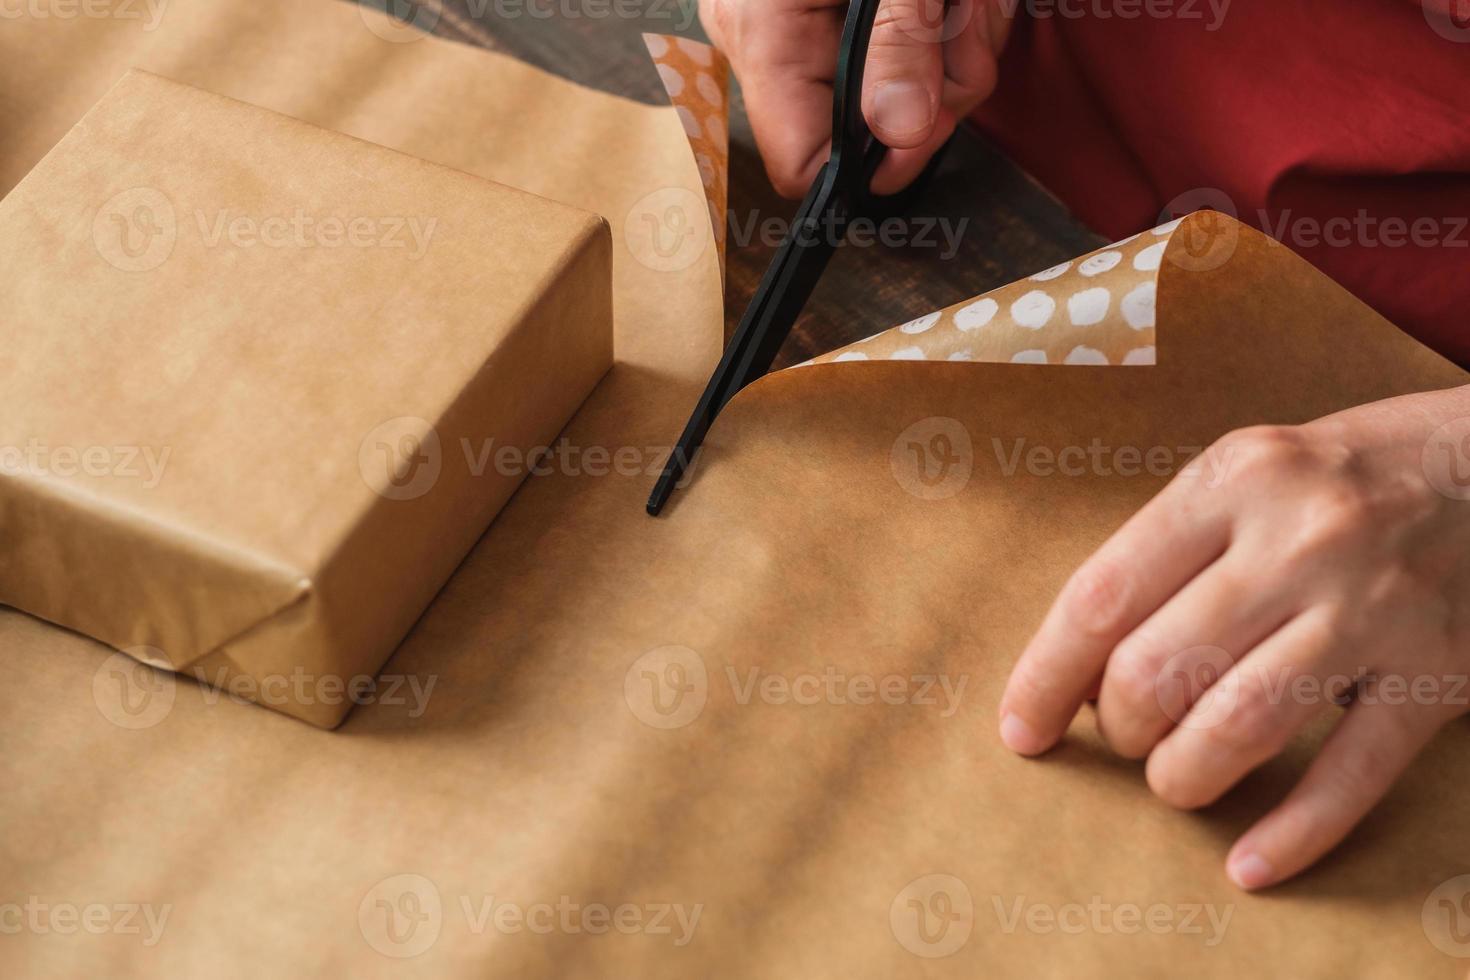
column 1086, row 355
column 708, row 90
column 689, row 121
column 920, row 324
column 1138, row 306
column 1098, row 309
column 696, row 76
column 976, row 315
column 1088, row 307
column 1148, row 260
column 695, row 51
column 673, row 81
column 1102, row 262
column 1033, row 310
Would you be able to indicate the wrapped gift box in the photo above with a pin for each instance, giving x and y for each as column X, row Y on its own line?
column 267, row 384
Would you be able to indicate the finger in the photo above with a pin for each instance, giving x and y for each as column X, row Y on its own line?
column 1250, row 714
column 999, row 19
column 901, row 167
column 1359, row 763
column 1159, row 550
column 785, row 54
column 969, row 55
column 968, row 77
column 904, row 79
column 1158, row 671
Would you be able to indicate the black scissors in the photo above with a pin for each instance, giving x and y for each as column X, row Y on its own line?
column 837, row 195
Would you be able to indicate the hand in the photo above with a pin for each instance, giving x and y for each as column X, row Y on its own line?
column 1322, row 567
column 926, row 69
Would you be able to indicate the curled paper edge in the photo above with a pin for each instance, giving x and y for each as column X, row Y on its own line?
column 1097, row 309
column 696, row 77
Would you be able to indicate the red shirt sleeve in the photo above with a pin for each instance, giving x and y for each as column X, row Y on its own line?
column 1341, row 129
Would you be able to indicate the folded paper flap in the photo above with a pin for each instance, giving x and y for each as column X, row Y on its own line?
column 173, row 595
column 1304, row 325
column 1172, row 282
column 244, row 449
column 1099, row 309
column 1095, row 309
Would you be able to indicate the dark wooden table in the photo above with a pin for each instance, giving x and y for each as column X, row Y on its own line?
column 1007, row 226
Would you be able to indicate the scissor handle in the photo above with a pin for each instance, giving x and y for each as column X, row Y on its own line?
column 839, row 193
column 856, row 153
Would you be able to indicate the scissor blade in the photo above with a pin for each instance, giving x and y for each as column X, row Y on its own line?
column 778, row 301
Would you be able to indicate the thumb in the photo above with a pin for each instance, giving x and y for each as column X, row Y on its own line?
column 905, row 72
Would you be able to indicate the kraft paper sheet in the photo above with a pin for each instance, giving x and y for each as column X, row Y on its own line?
column 607, row 725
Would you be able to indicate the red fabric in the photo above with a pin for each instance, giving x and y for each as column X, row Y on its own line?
column 1302, row 112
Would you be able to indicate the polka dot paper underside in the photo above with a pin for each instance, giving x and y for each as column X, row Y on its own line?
column 696, row 77
column 1097, row 309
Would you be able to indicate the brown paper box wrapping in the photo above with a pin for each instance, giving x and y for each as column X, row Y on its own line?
column 314, row 368
column 548, row 763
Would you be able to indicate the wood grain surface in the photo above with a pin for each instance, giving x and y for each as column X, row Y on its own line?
column 981, row 222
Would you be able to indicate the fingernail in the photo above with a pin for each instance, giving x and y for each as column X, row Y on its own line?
column 902, row 108
column 1250, row 871
column 1019, row 736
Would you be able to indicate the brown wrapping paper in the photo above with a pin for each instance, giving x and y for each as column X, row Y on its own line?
column 240, row 291
column 754, row 737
